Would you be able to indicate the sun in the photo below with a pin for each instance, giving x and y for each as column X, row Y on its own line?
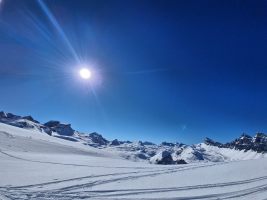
column 85, row 73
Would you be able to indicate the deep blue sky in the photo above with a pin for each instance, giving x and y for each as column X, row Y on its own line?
column 162, row 70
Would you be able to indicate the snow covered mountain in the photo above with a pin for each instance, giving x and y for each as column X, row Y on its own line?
column 245, row 142
column 243, row 148
column 37, row 166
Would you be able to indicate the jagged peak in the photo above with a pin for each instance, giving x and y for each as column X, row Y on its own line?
column 244, row 135
column 115, row 142
column 11, row 116
column 207, row 139
column 260, row 135
column 170, row 144
column 30, row 118
column 98, row 138
column 53, row 123
column 211, row 142
column 95, row 134
column 245, row 142
column 60, row 128
column 148, row 143
column 3, row 114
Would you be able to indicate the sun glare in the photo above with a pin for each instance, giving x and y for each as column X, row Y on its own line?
column 85, row 73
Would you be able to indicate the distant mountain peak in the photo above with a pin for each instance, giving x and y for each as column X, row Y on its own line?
column 98, row 139
column 61, row 129
column 164, row 153
column 211, row 142
column 30, row 118
column 245, row 142
column 170, row 144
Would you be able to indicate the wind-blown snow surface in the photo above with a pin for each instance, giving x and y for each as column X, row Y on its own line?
column 36, row 166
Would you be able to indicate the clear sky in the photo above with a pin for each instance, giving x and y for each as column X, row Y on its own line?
column 176, row 70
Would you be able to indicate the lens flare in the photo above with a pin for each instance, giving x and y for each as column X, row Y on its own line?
column 85, row 73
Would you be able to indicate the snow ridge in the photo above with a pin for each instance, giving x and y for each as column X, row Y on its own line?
column 243, row 148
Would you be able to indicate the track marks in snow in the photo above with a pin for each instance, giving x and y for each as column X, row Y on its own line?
column 65, row 164
column 101, row 194
column 125, row 192
column 83, row 187
column 70, row 193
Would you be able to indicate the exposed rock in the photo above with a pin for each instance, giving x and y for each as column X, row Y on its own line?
column 245, row 142
column 8, row 116
column 47, row 130
column 169, row 144
column 260, row 142
column 3, row 115
column 61, row 129
column 98, row 139
column 139, row 143
column 163, row 158
column 165, row 153
column 141, row 156
column 148, row 143
column 12, row 116
column 52, row 123
column 22, row 124
column 67, row 138
column 180, row 161
column 211, row 142
column 30, row 118
column 115, row 142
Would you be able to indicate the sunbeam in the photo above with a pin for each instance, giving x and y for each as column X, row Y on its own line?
column 58, row 28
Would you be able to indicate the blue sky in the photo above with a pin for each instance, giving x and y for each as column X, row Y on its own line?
column 161, row 70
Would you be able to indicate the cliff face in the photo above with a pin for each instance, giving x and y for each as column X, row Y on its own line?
column 245, row 142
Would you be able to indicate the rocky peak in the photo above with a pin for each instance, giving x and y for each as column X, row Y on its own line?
column 52, row 123
column 98, row 139
column 260, row 138
column 163, row 158
column 244, row 139
column 211, row 142
column 169, row 144
column 61, row 129
column 30, row 118
column 8, row 116
column 12, row 116
column 245, row 142
column 180, row 162
column 3, row 114
column 115, row 142
column 148, row 143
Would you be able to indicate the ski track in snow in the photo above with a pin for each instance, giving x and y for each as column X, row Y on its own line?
column 22, row 192
column 97, row 186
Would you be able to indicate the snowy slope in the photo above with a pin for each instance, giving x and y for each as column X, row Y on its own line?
column 243, row 148
column 37, row 166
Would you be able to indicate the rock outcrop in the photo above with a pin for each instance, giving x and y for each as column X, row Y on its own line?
column 61, row 129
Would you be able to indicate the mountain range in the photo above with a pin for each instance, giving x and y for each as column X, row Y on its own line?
column 243, row 148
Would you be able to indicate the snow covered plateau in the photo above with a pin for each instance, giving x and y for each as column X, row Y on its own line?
column 53, row 161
